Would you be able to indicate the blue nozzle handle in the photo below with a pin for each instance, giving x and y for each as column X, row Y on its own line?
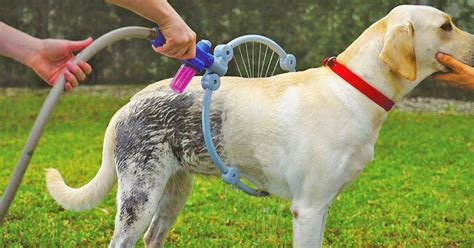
column 203, row 59
column 160, row 38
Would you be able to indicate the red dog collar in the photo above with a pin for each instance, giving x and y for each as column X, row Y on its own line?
column 359, row 83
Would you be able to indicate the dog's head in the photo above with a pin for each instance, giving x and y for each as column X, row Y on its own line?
column 413, row 36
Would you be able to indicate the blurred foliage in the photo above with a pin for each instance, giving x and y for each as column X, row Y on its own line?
column 309, row 29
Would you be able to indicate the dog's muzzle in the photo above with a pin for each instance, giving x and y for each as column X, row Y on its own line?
column 469, row 58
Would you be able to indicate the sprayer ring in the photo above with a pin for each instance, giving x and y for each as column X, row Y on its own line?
column 211, row 81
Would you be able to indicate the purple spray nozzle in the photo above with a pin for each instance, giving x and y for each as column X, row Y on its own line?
column 190, row 67
column 182, row 78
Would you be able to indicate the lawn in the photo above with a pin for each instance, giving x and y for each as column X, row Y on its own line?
column 417, row 192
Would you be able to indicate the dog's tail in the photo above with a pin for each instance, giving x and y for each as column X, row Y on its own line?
column 87, row 196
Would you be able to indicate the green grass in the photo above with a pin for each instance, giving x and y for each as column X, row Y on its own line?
column 417, row 192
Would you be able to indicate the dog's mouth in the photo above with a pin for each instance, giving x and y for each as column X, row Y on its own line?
column 469, row 58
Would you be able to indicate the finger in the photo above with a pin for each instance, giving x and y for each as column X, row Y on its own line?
column 178, row 51
column 188, row 48
column 76, row 70
column 161, row 50
column 192, row 42
column 77, row 46
column 448, row 61
column 168, row 51
column 179, row 54
column 52, row 79
column 447, row 77
column 55, row 75
column 190, row 53
column 172, row 49
column 442, row 76
column 70, row 78
column 85, row 67
column 67, row 86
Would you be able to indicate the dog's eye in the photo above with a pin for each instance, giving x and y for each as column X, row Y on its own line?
column 447, row 27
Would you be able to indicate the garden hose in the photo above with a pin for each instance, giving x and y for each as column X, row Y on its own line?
column 52, row 99
column 216, row 65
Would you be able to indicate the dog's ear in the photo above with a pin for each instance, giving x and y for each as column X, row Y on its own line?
column 398, row 50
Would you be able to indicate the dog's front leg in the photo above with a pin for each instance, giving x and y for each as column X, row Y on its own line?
column 308, row 224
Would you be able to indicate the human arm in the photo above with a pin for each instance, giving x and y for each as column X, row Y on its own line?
column 462, row 75
column 49, row 58
column 180, row 39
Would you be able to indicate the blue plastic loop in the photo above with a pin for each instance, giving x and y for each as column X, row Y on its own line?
column 224, row 52
column 231, row 176
column 288, row 62
column 240, row 185
column 211, row 81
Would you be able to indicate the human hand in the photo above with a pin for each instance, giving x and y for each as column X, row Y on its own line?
column 462, row 75
column 180, row 39
column 53, row 57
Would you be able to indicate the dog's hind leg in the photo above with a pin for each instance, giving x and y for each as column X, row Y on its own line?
column 141, row 186
column 176, row 192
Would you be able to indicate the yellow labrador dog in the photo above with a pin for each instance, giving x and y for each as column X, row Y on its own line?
column 301, row 136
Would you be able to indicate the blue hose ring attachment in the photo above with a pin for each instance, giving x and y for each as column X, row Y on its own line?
column 211, row 81
column 230, row 175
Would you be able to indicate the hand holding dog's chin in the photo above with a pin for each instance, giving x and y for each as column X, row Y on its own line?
column 461, row 76
column 457, row 79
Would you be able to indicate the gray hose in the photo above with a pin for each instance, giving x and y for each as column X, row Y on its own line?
column 51, row 101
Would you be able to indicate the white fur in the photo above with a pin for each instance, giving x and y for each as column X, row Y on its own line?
column 90, row 194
